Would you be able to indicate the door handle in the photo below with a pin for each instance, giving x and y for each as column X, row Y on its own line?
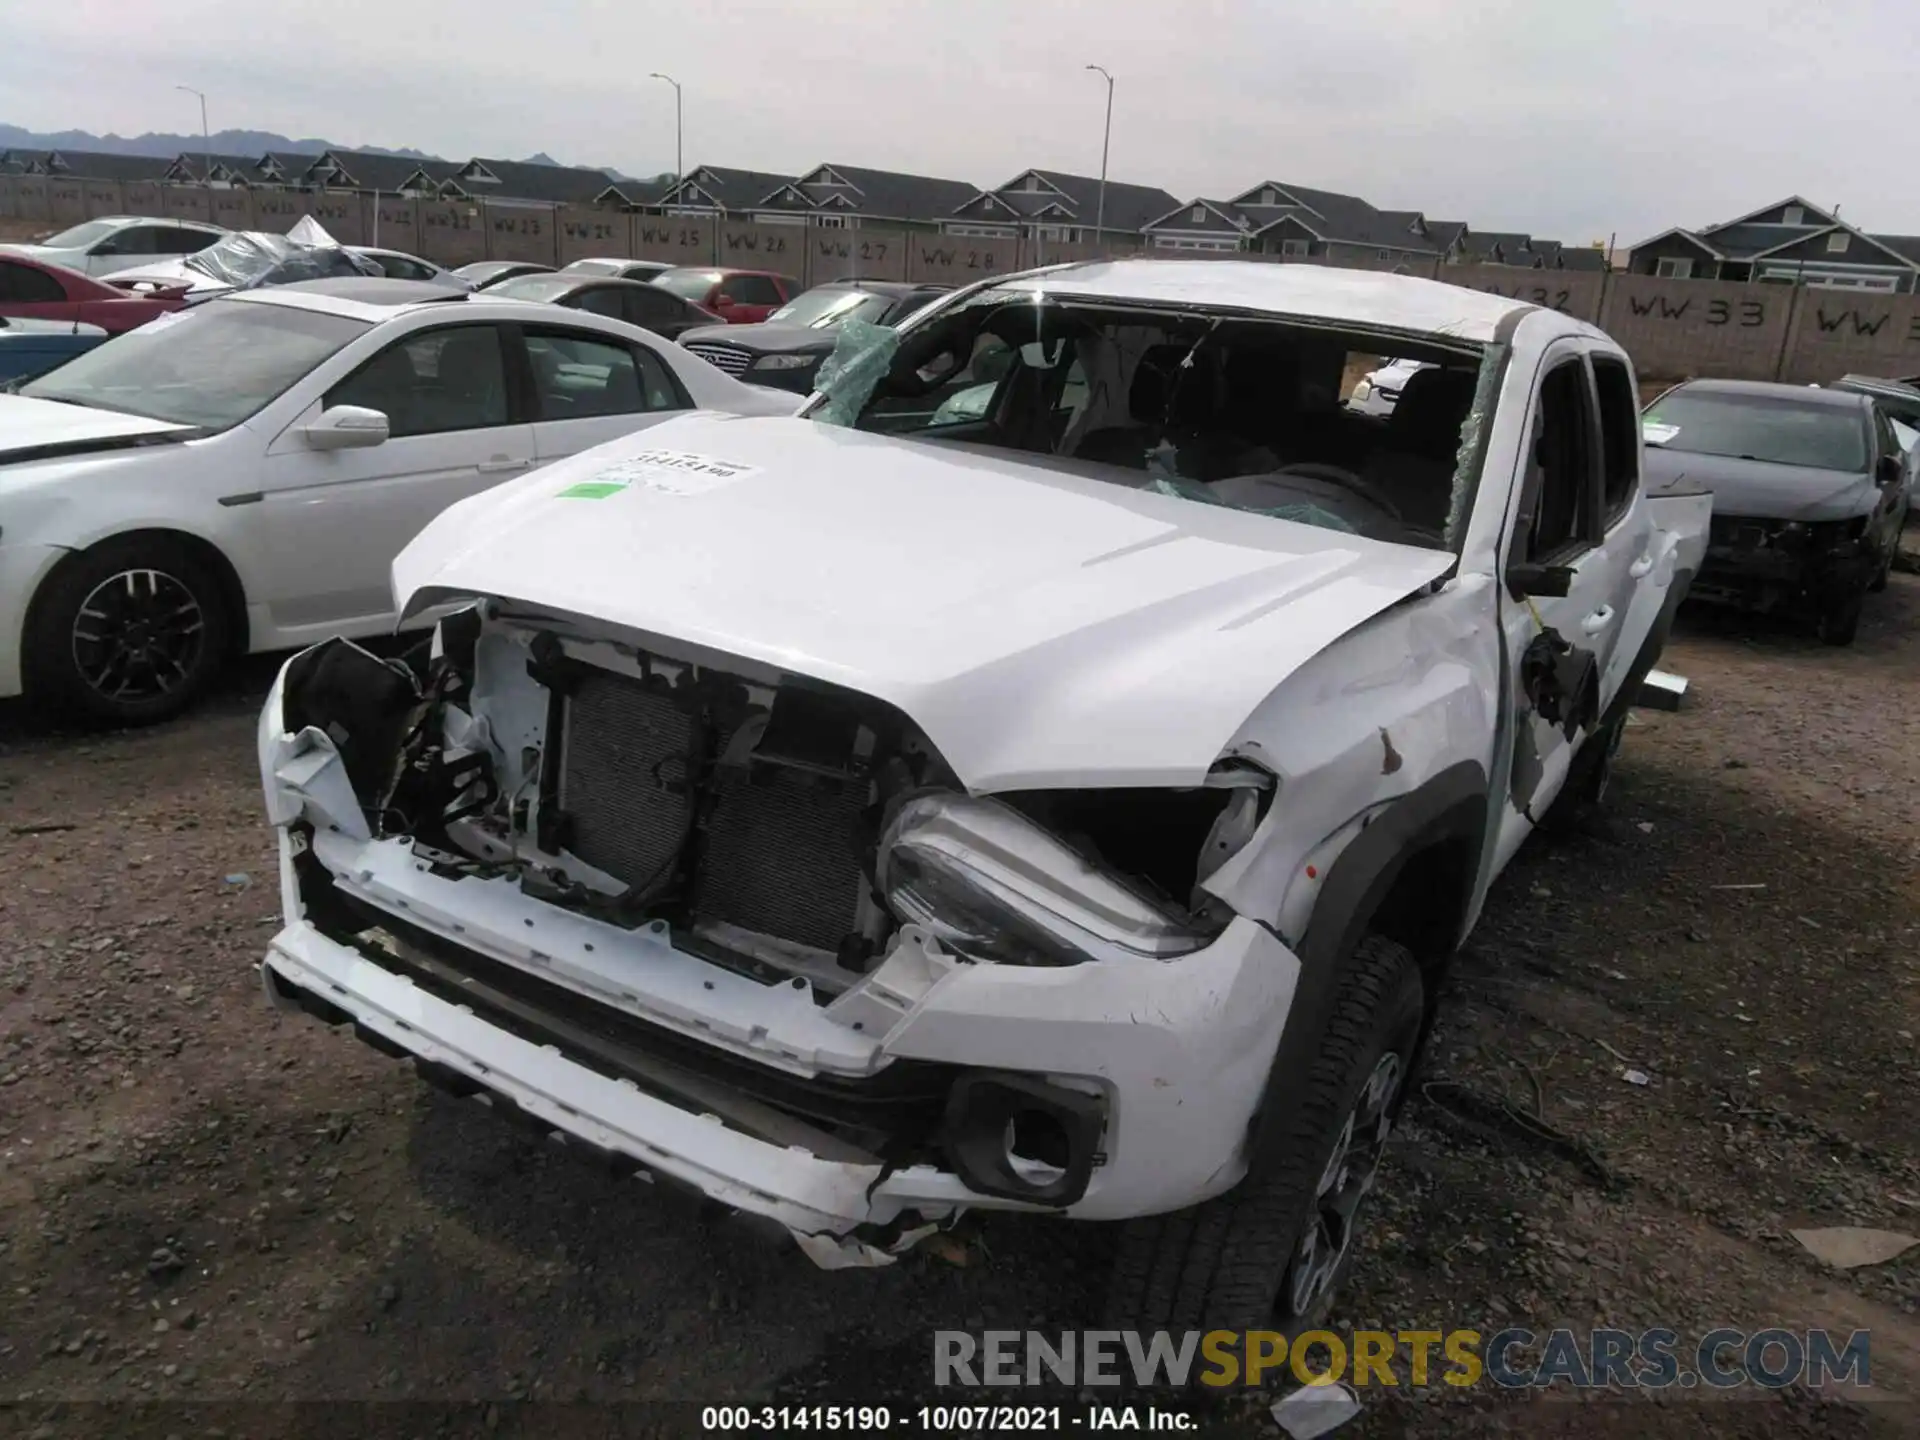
column 1641, row 566
column 500, row 465
column 1597, row 621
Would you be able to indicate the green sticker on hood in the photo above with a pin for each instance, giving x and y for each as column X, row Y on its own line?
column 592, row 490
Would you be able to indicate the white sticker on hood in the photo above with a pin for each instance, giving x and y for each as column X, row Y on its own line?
column 671, row 472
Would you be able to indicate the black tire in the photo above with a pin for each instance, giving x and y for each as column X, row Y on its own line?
column 1839, row 619
column 1230, row 1262
column 1885, row 572
column 130, row 632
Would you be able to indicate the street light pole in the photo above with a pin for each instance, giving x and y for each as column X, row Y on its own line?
column 679, row 127
column 206, row 147
column 1106, row 139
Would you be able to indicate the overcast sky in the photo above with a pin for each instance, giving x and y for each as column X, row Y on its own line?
column 1568, row 121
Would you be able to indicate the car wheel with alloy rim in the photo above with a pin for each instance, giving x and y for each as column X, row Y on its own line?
column 1271, row 1253
column 127, row 633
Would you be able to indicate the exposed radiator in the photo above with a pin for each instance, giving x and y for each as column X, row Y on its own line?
column 778, row 851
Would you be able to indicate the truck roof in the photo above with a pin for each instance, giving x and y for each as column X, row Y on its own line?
column 1319, row 292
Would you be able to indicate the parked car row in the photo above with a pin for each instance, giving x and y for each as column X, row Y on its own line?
column 238, row 475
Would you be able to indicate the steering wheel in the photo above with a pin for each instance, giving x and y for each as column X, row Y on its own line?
column 1346, row 480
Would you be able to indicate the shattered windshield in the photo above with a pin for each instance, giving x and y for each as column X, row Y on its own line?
column 1244, row 411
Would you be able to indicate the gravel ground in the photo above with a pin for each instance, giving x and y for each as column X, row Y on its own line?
column 203, row 1201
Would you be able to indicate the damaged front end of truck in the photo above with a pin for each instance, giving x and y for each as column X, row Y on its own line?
column 742, row 929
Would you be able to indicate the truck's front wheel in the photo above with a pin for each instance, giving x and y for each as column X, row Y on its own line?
column 1271, row 1253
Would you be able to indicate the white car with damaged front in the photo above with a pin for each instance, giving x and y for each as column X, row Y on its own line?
column 1068, row 806
column 238, row 477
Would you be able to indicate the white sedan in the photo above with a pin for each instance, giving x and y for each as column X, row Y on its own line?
column 1379, row 390
column 120, row 242
column 239, row 476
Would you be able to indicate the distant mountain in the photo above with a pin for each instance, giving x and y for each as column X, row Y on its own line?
column 221, row 142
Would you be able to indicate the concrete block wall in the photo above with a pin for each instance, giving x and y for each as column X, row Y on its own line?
column 1835, row 332
column 1672, row 328
column 1699, row 327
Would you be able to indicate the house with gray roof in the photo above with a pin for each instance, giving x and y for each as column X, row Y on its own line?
column 720, row 190
column 91, row 165
column 487, row 179
column 843, row 197
column 228, row 171
column 1300, row 222
column 1790, row 242
column 1057, row 206
column 371, row 171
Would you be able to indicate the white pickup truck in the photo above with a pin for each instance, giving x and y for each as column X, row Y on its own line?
column 1066, row 802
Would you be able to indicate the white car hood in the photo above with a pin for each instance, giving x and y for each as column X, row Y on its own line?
column 29, row 427
column 1042, row 628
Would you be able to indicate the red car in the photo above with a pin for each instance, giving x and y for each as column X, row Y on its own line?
column 739, row 297
column 35, row 290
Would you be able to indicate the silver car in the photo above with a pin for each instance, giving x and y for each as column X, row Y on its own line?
column 120, row 242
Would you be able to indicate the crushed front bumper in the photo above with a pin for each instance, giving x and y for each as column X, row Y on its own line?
column 1177, row 1050
column 1751, row 562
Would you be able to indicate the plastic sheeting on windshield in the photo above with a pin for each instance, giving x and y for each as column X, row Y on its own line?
column 862, row 354
column 249, row 258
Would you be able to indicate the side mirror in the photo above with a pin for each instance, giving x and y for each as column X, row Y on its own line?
column 1888, row 471
column 346, row 427
column 1547, row 581
column 723, row 299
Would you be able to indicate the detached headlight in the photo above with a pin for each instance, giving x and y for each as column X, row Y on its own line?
column 1362, row 390
column 785, row 362
column 987, row 882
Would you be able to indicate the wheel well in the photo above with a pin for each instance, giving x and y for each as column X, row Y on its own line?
column 233, row 595
column 1426, row 906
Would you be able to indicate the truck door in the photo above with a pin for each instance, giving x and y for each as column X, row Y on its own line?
column 1570, row 570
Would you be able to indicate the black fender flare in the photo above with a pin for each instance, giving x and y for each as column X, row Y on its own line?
column 1449, row 805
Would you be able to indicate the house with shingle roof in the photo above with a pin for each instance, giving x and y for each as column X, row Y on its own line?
column 194, row 168
column 487, row 179
column 1790, row 242
column 371, row 171
column 720, row 190
column 92, row 165
column 1301, row 222
column 1057, row 206
column 843, row 197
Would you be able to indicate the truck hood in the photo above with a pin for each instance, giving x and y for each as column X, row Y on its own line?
column 39, row 429
column 1044, row 628
column 1757, row 490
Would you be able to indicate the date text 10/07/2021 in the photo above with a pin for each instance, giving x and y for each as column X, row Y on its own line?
column 944, row 1419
